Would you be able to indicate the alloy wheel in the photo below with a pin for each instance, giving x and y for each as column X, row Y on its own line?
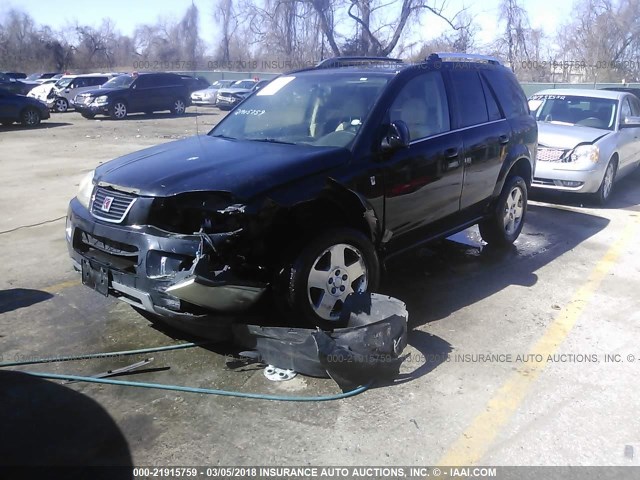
column 336, row 273
column 513, row 210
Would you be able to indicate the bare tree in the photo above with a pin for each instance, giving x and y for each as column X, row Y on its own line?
column 225, row 14
column 602, row 39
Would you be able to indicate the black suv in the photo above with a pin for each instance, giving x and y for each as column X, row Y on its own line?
column 304, row 189
column 143, row 92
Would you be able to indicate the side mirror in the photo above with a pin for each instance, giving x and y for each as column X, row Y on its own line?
column 397, row 136
column 630, row 122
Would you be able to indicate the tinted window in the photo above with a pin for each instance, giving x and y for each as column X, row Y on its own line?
column 146, row 81
column 470, row 103
column 492, row 105
column 97, row 81
column 510, row 95
column 422, row 105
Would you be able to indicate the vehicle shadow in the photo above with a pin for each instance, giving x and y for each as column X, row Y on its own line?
column 45, row 424
column 458, row 272
column 15, row 298
column 625, row 195
column 42, row 126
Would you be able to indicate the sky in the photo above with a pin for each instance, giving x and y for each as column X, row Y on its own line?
column 545, row 14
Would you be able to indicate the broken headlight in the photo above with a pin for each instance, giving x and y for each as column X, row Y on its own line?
column 197, row 212
column 85, row 189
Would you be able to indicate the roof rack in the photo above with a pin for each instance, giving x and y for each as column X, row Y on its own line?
column 337, row 62
column 462, row 57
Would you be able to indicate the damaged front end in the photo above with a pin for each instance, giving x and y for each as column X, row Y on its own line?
column 190, row 255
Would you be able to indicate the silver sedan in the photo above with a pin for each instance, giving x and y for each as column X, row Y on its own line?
column 587, row 139
column 208, row 95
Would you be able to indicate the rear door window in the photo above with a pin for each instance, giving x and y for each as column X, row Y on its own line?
column 471, row 107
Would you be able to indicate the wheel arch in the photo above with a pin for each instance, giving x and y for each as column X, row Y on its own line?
column 520, row 161
column 334, row 206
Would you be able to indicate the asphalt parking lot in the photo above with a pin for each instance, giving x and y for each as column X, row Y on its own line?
column 525, row 357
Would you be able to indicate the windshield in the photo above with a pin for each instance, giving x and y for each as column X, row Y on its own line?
column 122, row 81
column 319, row 110
column 34, row 76
column 574, row 110
column 63, row 82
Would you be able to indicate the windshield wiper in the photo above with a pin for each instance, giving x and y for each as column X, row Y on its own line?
column 224, row 136
column 270, row 140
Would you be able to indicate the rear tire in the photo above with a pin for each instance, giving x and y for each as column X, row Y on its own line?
column 89, row 116
column 179, row 107
column 505, row 223
column 30, row 117
column 327, row 270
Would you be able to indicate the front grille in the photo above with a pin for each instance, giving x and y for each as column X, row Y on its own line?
column 113, row 254
column 111, row 205
column 548, row 154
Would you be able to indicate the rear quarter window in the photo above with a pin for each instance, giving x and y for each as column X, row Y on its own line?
column 510, row 95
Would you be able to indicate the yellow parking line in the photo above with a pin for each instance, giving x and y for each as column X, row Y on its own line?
column 469, row 448
column 58, row 287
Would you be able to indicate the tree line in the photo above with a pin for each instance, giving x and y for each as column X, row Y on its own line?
column 598, row 41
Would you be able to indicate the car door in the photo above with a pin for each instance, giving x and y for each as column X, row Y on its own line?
column 423, row 181
column 8, row 105
column 634, row 145
column 76, row 85
column 627, row 139
column 143, row 94
column 485, row 135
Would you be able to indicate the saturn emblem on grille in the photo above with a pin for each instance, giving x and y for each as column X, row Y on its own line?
column 106, row 204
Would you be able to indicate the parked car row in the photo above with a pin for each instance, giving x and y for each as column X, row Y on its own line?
column 112, row 94
column 226, row 94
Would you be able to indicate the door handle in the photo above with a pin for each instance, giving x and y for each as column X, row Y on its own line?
column 451, row 159
column 504, row 139
column 451, row 153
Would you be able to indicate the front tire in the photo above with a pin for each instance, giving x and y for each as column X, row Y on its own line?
column 118, row 110
column 505, row 223
column 88, row 116
column 334, row 265
column 61, row 105
column 606, row 187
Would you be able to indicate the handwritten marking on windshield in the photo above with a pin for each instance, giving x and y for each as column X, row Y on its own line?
column 244, row 111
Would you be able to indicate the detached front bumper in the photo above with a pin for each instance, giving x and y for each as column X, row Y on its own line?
column 567, row 177
column 153, row 269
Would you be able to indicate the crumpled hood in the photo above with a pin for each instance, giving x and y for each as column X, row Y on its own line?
column 567, row 136
column 205, row 163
